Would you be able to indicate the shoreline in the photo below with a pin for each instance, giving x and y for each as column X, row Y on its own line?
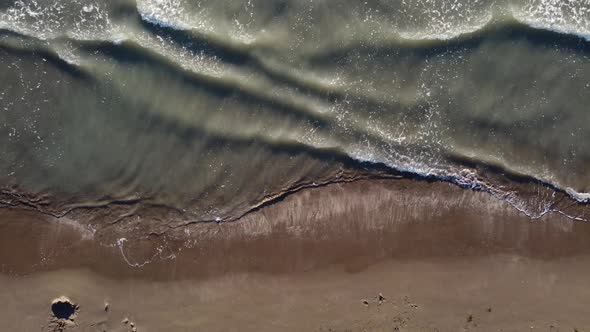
column 382, row 219
column 439, row 255
column 517, row 189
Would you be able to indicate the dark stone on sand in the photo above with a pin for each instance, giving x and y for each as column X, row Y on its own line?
column 63, row 308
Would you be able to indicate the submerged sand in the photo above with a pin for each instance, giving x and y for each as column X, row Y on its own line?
column 443, row 259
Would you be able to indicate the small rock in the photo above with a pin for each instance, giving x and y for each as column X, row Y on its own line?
column 106, row 306
column 125, row 320
column 131, row 324
column 365, row 302
column 63, row 308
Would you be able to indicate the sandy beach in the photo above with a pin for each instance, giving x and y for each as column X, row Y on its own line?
column 371, row 255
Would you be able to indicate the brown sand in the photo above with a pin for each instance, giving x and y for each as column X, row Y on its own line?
column 444, row 258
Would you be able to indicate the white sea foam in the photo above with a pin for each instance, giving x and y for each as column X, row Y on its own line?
column 579, row 196
column 561, row 16
column 120, row 243
column 468, row 179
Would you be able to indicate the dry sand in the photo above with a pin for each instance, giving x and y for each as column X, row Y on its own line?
column 443, row 258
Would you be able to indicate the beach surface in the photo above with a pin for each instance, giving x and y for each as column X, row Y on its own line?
column 370, row 255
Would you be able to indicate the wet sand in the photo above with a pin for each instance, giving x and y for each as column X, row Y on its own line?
column 444, row 259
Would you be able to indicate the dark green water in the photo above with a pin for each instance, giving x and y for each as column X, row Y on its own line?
column 211, row 106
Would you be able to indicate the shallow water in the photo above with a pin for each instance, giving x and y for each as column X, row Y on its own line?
column 211, row 106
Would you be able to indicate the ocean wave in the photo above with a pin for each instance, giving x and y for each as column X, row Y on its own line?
column 91, row 18
column 168, row 16
column 406, row 165
column 273, row 82
column 468, row 178
column 561, row 29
